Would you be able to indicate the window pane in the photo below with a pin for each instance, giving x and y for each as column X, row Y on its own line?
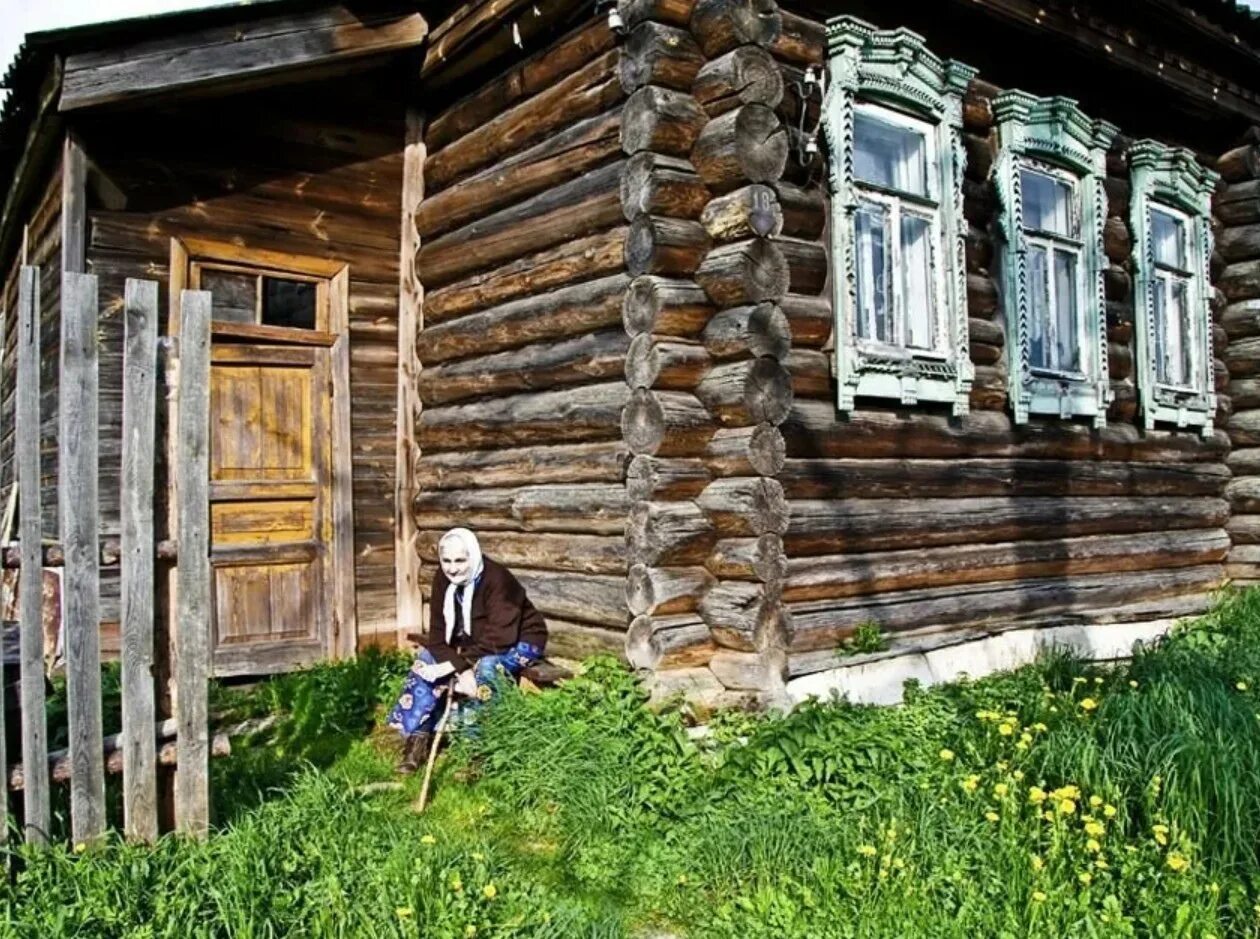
column 1168, row 239
column 874, row 274
column 1181, row 302
column 1161, row 330
column 1038, row 309
column 232, row 295
column 1067, row 345
column 889, row 155
column 1047, row 203
column 1173, row 332
column 916, row 281
column 288, row 303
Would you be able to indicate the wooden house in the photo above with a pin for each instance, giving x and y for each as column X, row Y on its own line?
column 730, row 325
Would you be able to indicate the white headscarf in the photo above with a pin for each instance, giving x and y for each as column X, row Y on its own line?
column 475, row 566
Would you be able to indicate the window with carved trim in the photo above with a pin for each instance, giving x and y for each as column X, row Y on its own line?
column 1171, row 223
column 893, row 119
column 1049, row 175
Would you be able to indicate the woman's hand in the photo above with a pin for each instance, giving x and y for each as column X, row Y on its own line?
column 432, row 673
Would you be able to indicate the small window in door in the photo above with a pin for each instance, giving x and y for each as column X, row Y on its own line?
column 259, row 298
column 288, row 303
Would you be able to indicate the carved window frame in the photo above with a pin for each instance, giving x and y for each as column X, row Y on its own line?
column 1170, row 179
column 893, row 70
column 1036, row 134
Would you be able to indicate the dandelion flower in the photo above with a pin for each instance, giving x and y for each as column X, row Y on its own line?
column 1066, row 807
column 867, row 850
column 427, row 839
column 1214, row 887
column 899, row 864
column 1095, row 829
column 1241, row 686
column 402, row 912
column 1176, row 862
column 992, row 816
column 682, row 879
column 1132, row 683
column 1095, row 801
column 947, row 754
column 457, row 885
column 1085, row 877
column 1036, row 795
column 469, row 931
column 1088, row 704
column 1098, row 680
column 1078, row 681
column 971, row 783
column 1038, row 897
column 1017, row 775
column 1025, row 738
column 1001, row 789
column 1109, row 811
column 1092, row 846
column 1048, row 816
column 489, row 891
column 1006, row 729
column 1101, row 864
column 1161, row 834
column 80, row 847
column 1037, row 862
column 1040, row 727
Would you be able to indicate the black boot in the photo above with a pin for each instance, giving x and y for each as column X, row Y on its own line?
column 415, row 752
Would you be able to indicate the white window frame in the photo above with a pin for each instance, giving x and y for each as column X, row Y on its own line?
column 1051, row 136
column 1170, row 180
column 892, row 75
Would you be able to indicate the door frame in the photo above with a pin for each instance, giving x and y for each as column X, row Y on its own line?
column 343, row 633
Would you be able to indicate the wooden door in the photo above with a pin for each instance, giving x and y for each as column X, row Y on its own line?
column 270, row 522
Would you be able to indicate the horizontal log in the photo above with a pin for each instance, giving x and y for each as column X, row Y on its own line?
column 651, row 478
column 566, row 156
column 978, row 108
column 986, row 331
column 1243, row 495
column 569, row 311
column 746, row 145
column 851, row 575
column 1244, row 429
column 671, row 247
column 655, row 184
column 665, row 423
column 1239, row 203
column 749, row 332
column 811, row 374
column 722, row 25
column 748, row 671
column 655, row 53
column 982, row 296
column 804, row 210
column 664, row 307
column 661, row 120
column 745, row 451
column 54, row 555
column 589, row 258
column 748, row 392
column 745, row 507
column 982, row 353
column 665, row 591
column 745, row 75
column 467, row 469
column 853, row 525
column 592, row 89
column 1242, row 357
column 1239, row 242
column 593, row 357
column 742, row 616
column 1243, row 529
column 745, row 272
column 1244, row 461
column 750, row 212
column 580, row 641
column 1240, row 281
column 813, row 429
column 660, row 642
column 801, row 40
column 675, row 12
column 959, row 478
column 661, row 534
column 1061, row 600
column 593, row 508
column 761, row 558
column 811, row 320
column 582, row 598
column 669, row 366
column 578, row 553
column 1240, row 164
column 807, row 265
column 581, row 206
column 1244, row 393
column 572, row 415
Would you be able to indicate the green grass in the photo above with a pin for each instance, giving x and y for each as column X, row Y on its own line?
column 1061, row 800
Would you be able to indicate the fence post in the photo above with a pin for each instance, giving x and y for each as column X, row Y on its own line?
column 77, row 448
column 35, row 793
column 192, row 609
column 136, row 500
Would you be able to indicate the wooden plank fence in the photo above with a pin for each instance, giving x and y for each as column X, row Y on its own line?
column 145, row 742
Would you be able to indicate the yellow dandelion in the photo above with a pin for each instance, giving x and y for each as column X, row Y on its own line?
column 80, row 847
column 1095, row 829
column 991, row 816
column 1037, row 862
column 1025, row 739
column 402, row 912
column 867, row 850
column 1161, row 834
column 1214, row 887
column 1078, row 681
column 1018, row 775
column 1001, row 789
column 1038, row 897
column 469, row 931
column 1067, row 792
column 1066, row 807
column 1021, row 745
column 682, row 879
column 947, row 754
column 1006, row 729
column 899, row 864
column 1085, row 877
column 1098, row 680
column 1241, row 686
column 1036, row 795
column 1109, row 811
column 427, row 839
column 1092, row 846
column 971, row 783
column 1095, row 801
column 1040, row 727
column 1088, row 704
column 457, row 885
column 1176, row 862
column 489, row 891
column 1048, row 816
column 1101, row 864
column 1132, row 683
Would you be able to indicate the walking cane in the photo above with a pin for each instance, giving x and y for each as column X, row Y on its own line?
column 423, row 799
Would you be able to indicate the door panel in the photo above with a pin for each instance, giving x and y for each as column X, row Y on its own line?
column 269, row 506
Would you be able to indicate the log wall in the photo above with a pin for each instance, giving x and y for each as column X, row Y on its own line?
column 315, row 171
column 522, row 258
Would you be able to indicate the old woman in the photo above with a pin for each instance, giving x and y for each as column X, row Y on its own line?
column 481, row 625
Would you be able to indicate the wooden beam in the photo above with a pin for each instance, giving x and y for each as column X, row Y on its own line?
column 236, row 54
column 38, row 147
column 192, row 620
column 31, row 586
column 79, row 503
column 140, row 309
column 407, row 567
column 73, row 207
column 345, row 623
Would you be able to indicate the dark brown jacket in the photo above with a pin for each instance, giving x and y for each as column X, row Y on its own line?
column 502, row 616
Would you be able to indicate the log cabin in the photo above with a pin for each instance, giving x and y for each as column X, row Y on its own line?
column 730, row 325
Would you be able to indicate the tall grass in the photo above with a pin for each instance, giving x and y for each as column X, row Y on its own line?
column 1059, row 800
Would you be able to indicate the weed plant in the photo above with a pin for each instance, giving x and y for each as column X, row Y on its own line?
column 1060, row 800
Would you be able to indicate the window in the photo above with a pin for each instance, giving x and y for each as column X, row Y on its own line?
column 1171, row 247
column 258, row 298
column 893, row 121
column 1049, row 176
